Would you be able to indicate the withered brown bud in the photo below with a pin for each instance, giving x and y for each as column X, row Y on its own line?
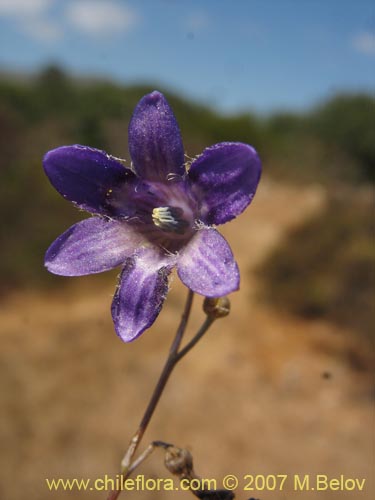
column 179, row 462
column 218, row 307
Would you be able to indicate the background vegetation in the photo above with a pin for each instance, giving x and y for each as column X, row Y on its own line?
column 320, row 269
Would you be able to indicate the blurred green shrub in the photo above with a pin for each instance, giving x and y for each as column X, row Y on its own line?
column 334, row 142
column 348, row 123
column 326, row 267
column 331, row 144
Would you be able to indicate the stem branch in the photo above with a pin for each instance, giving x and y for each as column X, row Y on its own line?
column 203, row 329
column 174, row 356
column 172, row 359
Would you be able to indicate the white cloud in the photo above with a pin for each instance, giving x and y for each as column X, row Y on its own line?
column 23, row 7
column 98, row 18
column 31, row 17
column 365, row 43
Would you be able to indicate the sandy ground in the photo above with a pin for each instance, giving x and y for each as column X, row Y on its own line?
column 263, row 393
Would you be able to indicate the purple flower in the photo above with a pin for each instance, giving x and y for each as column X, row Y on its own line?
column 153, row 216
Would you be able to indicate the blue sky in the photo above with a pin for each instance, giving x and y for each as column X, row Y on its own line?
column 237, row 55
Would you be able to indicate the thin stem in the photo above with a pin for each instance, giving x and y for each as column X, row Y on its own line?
column 203, row 329
column 146, row 453
column 150, row 448
column 163, row 379
column 174, row 356
column 168, row 367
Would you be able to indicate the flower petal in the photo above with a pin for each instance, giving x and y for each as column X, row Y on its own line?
column 141, row 292
column 224, row 179
column 155, row 142
column 91, row 246
column 85, row 176
column 207, row 265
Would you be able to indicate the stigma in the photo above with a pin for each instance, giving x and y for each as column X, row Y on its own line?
column 169, row 219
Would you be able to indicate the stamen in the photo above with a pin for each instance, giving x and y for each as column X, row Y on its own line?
column 169, row 219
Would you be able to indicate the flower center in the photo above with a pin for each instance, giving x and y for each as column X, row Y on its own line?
column 169, row 219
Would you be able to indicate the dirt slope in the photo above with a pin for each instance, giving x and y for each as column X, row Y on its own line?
column 261, row 394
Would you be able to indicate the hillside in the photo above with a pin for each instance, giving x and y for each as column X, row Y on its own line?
column 263, row 392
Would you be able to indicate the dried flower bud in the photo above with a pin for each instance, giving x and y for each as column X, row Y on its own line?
column 179, row 462
column 218, row 307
